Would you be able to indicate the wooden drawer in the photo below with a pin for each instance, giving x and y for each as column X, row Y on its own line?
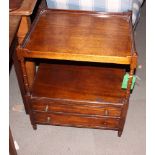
column 75, row 120
column 83, row 109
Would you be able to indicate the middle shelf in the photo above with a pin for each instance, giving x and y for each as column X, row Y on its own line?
column 79, row 82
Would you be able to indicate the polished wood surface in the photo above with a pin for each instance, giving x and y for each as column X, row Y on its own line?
column 78, row 94
column 75, row 82
column 76, row 120
column 75, row 107
column 14, row 4
column 64, row 35
column 85, row 91
column 26, row 8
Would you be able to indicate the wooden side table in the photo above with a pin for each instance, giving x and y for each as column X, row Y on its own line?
column 83, row 57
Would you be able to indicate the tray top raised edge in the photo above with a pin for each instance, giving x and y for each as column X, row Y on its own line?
column 81, row 36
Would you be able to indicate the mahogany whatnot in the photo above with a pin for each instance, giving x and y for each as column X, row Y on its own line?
column 82, row 57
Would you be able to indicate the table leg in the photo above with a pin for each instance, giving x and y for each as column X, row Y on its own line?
column 23, row 29
column 30, row 66
column 18, row 71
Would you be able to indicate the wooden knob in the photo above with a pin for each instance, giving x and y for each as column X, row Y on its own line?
column 46, row 108
column 105, row 123
column 48, row 119
column 106, row 112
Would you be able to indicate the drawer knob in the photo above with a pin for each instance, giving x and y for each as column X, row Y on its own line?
column 48, row 119
column 46, row 108
column 105, row 123
column 106, row 112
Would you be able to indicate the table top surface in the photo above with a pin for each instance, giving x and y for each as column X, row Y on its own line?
column 26, row 8
column 72, row 35
column 14, row 22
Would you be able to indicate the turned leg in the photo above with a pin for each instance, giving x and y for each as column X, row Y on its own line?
column 18, row 71
column 120, row 133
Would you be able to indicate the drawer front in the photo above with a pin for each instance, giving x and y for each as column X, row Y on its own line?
column 75, row 120
column 78, row 109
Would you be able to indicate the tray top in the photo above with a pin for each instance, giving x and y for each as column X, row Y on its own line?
column 76, row 35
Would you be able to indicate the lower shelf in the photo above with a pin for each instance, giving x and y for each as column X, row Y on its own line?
column 80, row 83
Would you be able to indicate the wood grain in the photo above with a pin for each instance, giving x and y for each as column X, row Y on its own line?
column 86, row 90
column 75, row 107
column 81, row 36
column 76, row 121
column 75, row 82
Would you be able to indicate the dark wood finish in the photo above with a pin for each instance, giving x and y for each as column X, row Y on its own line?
column 76, row 120
column 76, row 82
column 85, row 91
column 14, row 4
column 18, row 71
column 78, row 92
column 77, row 108
column 77, row 30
